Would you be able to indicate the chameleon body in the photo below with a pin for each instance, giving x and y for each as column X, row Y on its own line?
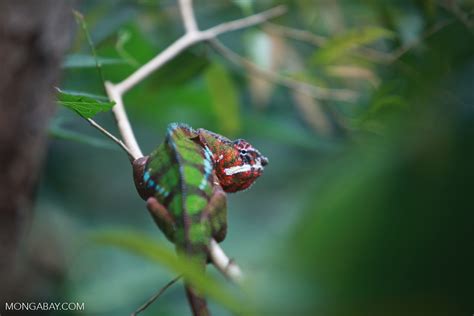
column 184, row 182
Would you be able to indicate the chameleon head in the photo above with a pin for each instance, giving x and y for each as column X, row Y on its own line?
column 237, row 164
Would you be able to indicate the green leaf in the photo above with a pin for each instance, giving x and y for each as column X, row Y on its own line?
column 224, row 97
column 152, row 249
column 86, row 94
column 82, row 104
column 88, row 61
column 339, row 46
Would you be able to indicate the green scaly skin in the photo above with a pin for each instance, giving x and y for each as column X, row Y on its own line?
column 184, row 196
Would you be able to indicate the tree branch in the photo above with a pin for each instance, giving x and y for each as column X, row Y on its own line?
column 192, row 36
column 112, row 137
column 123, row 122
column 243, row 23
column 187, row 13
column 157, row 62
column 225, row 265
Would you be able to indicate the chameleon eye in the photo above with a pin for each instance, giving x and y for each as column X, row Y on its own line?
column 243, row 152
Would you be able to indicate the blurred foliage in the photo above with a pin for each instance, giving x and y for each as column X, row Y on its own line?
column 365, row 206
column 340, row 45
column 149, row 248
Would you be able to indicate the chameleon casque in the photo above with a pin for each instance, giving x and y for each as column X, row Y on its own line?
column 184, row 182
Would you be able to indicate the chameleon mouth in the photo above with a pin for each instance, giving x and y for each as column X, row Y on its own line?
column 264, row 161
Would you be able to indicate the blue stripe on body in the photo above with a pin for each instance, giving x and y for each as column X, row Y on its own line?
column 207, row 167
column 151, row 184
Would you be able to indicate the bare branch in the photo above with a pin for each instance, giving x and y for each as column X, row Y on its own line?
column 122, row 121
column 157, row 62
column 227, row 266
column 112, row 137
column 303, row 87
column 244, row 23
column 189, row 39
column 187, row 13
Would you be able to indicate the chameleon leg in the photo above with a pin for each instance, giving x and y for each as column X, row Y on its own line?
column 216, row 212
column 162, row 217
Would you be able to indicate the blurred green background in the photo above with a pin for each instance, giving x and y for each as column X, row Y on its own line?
column 365, row 207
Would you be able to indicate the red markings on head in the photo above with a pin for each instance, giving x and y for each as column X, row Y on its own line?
column 237, row 164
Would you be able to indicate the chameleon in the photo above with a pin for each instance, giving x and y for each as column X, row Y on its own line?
column 184, row 182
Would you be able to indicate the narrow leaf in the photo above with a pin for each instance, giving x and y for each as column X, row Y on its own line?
column 82, row 104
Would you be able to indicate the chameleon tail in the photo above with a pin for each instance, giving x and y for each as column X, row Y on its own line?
column 197, row 302
column 196, row 252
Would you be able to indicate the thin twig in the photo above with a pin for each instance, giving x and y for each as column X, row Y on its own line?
column 80, row 20
column 225, row 265
column 123, row 123
column 187, row 13
column 112, row 137
column 157, row 62
column 303, row 87
column 156, row 296
column 244, row 22
column 131, row 151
